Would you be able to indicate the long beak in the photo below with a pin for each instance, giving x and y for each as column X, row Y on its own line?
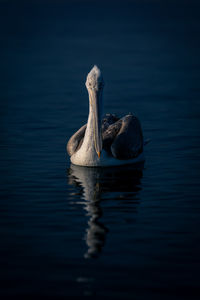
column 95, row 102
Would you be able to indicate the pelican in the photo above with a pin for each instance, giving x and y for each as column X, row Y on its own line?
column 108, row 141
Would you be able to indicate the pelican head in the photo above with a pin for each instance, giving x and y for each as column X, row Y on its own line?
column 94, row 85
column 94, row 80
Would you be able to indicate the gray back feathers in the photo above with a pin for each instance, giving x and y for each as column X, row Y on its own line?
column 122, row 138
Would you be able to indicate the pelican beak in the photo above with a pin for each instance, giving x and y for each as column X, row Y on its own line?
column 95, row 103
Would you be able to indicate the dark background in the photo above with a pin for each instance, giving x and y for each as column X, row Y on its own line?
column 118, row 233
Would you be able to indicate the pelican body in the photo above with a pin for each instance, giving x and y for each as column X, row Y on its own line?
column 108, row 141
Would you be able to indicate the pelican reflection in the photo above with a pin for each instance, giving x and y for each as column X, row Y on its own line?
column 94, row 184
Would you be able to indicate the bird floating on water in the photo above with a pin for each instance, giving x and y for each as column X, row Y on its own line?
column 108, row 141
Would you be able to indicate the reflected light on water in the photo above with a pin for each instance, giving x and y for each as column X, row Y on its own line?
column 96, row 183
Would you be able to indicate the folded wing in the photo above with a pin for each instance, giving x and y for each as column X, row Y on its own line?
column 122, row 138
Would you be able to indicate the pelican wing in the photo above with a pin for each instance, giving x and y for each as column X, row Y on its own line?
column 109, row 133
column 108, row 120
column 124, row 138
column 76, row 140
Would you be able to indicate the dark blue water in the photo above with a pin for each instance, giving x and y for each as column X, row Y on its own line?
column 121, row 233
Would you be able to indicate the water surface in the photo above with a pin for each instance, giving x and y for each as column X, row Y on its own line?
column 120, row 233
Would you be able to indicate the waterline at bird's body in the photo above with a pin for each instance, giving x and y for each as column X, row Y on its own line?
column 104, row 161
